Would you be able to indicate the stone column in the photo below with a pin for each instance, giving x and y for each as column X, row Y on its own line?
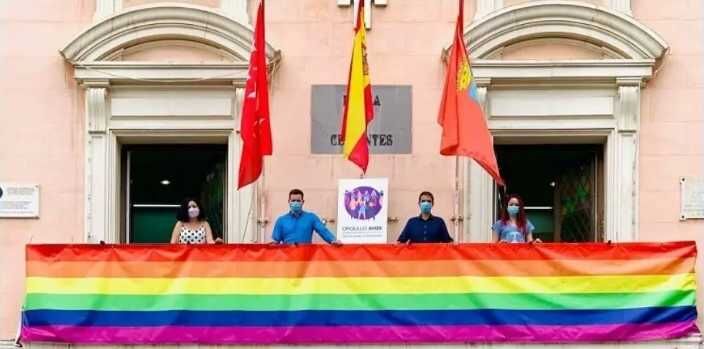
column 478, row 195
column 96, row 166
column 625, row 213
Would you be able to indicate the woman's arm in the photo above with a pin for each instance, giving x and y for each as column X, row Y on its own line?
column 495, row 235
column 529, row 237
column 208, row 233
column 174, row 233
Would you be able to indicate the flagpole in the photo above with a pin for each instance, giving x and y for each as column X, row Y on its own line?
column 255, row 131
column 457, row 199
column 262, row 206
column 460, row 23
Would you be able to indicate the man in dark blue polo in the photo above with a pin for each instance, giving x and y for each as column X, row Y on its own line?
column 297, row 226
column 425, row 227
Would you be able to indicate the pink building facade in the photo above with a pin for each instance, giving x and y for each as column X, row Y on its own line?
column 92, row 87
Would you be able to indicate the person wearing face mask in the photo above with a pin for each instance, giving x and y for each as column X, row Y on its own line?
column 297, row 225
column 191, row 226
column 513, row 227
column 426, row 227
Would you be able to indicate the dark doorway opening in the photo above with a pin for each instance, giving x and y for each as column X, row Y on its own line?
column 159, row 177
column 562, row 186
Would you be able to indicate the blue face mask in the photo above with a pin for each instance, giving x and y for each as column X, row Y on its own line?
column 513, row 211
column 295, row 206
column 425, row 207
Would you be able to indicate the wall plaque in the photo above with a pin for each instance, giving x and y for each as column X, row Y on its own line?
column 691, row 198
column 19, row 200
column 388, row 133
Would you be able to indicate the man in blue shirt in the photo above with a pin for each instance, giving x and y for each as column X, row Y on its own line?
column 296, row 226
column 425, row 228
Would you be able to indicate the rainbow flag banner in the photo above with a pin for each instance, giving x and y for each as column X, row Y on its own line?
column 261, row 294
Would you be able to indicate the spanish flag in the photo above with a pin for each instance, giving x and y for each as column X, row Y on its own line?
column 464, row 129
column 358, row 111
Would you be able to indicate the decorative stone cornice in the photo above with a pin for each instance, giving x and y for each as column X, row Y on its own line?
column 160, row 22
column 600, row 26
column 97, row 72
column 485, row 7
column 235, row 9
column 621, row 6
column 612, row 72
column 96, row 108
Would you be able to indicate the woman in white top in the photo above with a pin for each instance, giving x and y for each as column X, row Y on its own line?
column 191, row 227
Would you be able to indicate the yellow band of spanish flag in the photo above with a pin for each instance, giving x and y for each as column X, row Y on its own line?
column 358, row 111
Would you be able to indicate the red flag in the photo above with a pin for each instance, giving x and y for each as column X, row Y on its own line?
column 255, row 128
column 464, row 129
column 358, row 111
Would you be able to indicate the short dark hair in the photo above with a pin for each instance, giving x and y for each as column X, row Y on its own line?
column 432, row 199
column 182, row 214
column 295, row 192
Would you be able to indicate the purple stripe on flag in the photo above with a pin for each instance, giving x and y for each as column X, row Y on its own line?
column 357, row 334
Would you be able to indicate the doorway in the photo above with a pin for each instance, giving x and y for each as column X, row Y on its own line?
column 159, row 177
column 562, row 186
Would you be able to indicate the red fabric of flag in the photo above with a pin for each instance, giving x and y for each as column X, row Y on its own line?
column 255, row 128
column 464, row 128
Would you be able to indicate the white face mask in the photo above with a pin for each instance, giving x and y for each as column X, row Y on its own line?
column 193, row 212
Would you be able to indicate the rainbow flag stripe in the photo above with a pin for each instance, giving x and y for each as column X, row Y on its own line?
column 261, row 294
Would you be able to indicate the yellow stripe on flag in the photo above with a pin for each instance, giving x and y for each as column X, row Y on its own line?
column 364, row 285
column 355, row 119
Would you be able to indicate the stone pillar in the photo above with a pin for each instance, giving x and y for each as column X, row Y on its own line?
column 478, row 195
column 96, row 166
column 625, row 213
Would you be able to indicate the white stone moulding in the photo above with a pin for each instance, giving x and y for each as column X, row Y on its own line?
column 484, row 7
column 617, row 32
column 158, row 22
column 110, row 125
column 235, row 9
column 613, row 114
column 367, row 9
